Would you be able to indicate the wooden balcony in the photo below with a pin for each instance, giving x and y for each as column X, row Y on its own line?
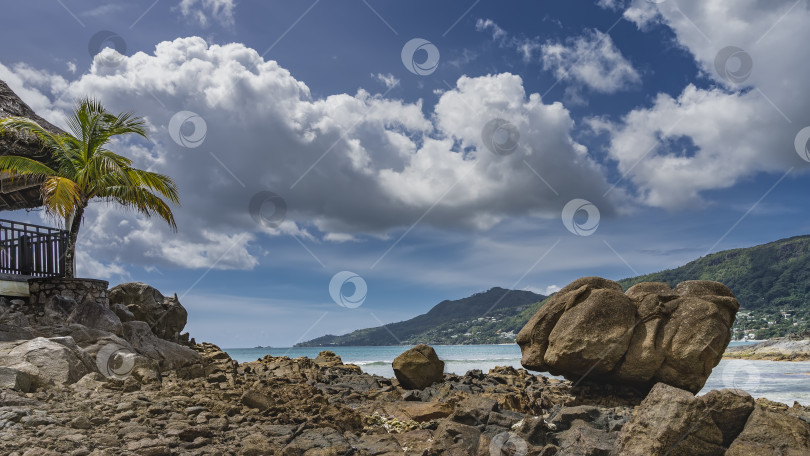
column 31, row 250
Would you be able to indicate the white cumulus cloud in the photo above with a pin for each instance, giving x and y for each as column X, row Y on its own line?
column 744, row 126
column 345, row 164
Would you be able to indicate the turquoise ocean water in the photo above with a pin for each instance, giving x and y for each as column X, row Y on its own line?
column 776, row 380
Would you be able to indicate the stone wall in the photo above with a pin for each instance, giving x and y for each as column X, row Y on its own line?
column 80, row 290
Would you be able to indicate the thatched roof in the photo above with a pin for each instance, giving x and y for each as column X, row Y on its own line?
column 15, row 192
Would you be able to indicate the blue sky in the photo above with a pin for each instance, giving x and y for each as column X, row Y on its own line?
column 675, row 122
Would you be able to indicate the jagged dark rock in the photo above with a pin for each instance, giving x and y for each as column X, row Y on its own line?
column 165, row 316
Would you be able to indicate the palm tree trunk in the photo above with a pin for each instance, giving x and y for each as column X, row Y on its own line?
column 73, row 223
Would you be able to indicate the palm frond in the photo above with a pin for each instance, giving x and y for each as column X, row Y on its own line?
column 61, row 195
column 125, row 123
column 143, row 201
column 84, row 169
column 160, row 183
column 24, row 166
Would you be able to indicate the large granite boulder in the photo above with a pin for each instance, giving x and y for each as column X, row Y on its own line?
column 47, row 362
column 114, row 356
column 768, row 432
column 671, row 421
column 165, row 316
column 418, row 367
column 652, row 333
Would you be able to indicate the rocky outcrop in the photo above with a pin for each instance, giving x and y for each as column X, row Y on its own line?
column 60, row 310
column 728, row 409
column 671, row 421
column 779, row 349
column 652, row 333
column 279, row 405
column 94, row 315
column 165, row 316
column 169, row 356
column 69, row 330
column 418, row 367
column 769, row 432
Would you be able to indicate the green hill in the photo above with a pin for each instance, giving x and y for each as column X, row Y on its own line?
column 770, row 276
column 771, row 282
column 473, row 315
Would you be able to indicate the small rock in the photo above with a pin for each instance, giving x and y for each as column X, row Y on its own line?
column 81, row 422
column 418, row 367
column 14, row 379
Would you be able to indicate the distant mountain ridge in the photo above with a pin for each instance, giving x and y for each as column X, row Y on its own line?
column 491, row 304
column 770, row 281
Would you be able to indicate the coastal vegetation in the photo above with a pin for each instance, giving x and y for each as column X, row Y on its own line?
column 80, row 168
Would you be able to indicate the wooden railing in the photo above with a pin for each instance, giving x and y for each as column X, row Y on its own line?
column 32, row 250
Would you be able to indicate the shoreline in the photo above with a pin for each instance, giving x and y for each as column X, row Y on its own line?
column 775, row 357
column 376, row 360
column 778, row 349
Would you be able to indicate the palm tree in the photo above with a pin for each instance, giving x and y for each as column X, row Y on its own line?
column 83, row 169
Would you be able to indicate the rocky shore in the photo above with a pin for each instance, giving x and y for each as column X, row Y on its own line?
column 63, row 390
column 323, row 407
column 780, row 349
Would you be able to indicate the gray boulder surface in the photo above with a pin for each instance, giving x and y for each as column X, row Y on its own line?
column 14, row 379
column 94, row 315
column 168, row 355
column 53, row 361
